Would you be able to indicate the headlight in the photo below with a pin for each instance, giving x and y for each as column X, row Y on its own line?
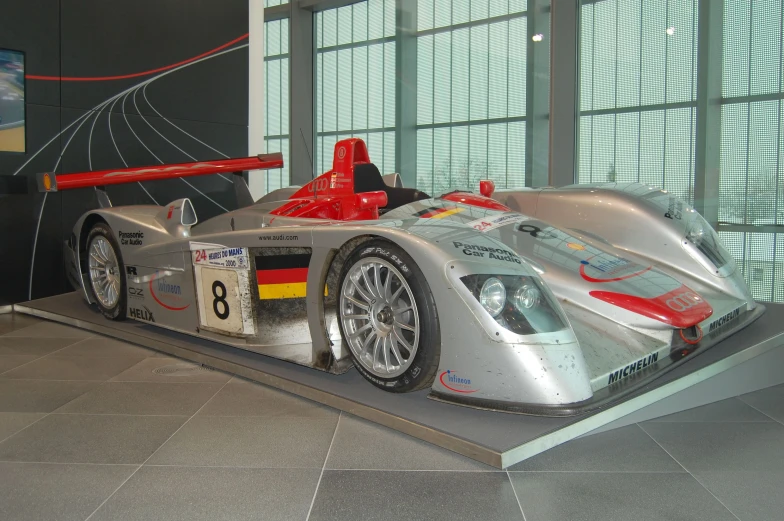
column 493, row 296
column 706, row 240
column 521, row 304
column 696, row 232
column 526, row 297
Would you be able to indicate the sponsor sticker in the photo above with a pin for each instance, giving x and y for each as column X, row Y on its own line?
column 224, row 257
column 279, row 237
column 131, row 238
column 674, row 209
column 630, row 369
column 142, row 313
column 167, row 294
column 474, row 250
column 136, row 293
column 491, row 223
column 724, row 320
column 459, row 384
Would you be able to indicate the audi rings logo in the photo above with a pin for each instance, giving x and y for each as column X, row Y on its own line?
column 683, row 301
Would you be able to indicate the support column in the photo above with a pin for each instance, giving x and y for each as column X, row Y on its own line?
column 708, row 134
column 537, row 122
column 301, row 111
column 256, row 91
column 564, row 91
column 406, row 91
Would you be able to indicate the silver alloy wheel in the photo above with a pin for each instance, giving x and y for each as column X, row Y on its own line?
column 104, row 271
column 379, row 317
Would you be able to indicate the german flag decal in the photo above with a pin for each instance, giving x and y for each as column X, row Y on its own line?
column 282, row 276
column 438, row 212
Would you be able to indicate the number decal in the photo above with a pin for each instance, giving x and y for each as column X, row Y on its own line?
column 224, row 291
column 535, row 231
column 220, row 299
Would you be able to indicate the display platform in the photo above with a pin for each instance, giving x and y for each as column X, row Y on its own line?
column 495, row 438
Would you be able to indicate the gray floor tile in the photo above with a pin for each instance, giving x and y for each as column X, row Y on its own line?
column 49, row 329
column 54, row 367
column 244, row 398
column 39, row 491
column 214, row 494
column 33, row 346
column 170, row 370
column 730, row 446
column 13, row 321
column 103, row 346
column 143, row 398
column 346, row 495
column 731, row 410
column 13, row 422
column 623, row 496
column 76, row 438
column 360, row 444
column 249, row 442
column 770, row 401
column 8, row 362
column 600, row 452
column 39, row 395
column 752, row 496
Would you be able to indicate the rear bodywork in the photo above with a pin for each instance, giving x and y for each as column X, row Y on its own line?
column 629, row 288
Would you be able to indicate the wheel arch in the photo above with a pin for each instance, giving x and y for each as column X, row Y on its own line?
column 89, row 221
column 336, row 259
column 340, row 257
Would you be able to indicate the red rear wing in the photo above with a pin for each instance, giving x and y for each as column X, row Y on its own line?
column 48, row 182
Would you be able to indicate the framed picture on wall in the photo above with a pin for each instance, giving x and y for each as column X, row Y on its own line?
column 12, row 101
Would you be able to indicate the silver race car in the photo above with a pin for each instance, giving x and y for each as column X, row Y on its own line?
column 540, row 301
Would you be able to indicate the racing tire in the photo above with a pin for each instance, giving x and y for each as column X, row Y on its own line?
column 388, row 318
column 106, row 272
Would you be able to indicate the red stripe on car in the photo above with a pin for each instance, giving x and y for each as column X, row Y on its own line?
column 679, row 308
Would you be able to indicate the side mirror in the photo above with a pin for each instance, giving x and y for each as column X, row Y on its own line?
column 371, row 200
column 178, row 217
column 486, row 187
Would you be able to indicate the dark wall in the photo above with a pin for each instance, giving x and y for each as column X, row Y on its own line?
column 192, row 111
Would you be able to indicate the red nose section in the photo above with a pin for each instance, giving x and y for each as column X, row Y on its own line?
column 679, row 308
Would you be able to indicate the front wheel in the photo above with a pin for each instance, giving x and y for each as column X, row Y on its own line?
column 107, row 272
column 388, row 318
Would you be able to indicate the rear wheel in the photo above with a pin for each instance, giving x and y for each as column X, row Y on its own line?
column 388, row 318
column 106, row 272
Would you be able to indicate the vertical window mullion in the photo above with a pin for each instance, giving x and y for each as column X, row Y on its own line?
column 748, row 127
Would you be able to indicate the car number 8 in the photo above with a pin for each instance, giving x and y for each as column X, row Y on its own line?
column 220, row 299
column 535, row 231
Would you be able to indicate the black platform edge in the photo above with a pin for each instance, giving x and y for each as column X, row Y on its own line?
column 493, row 438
